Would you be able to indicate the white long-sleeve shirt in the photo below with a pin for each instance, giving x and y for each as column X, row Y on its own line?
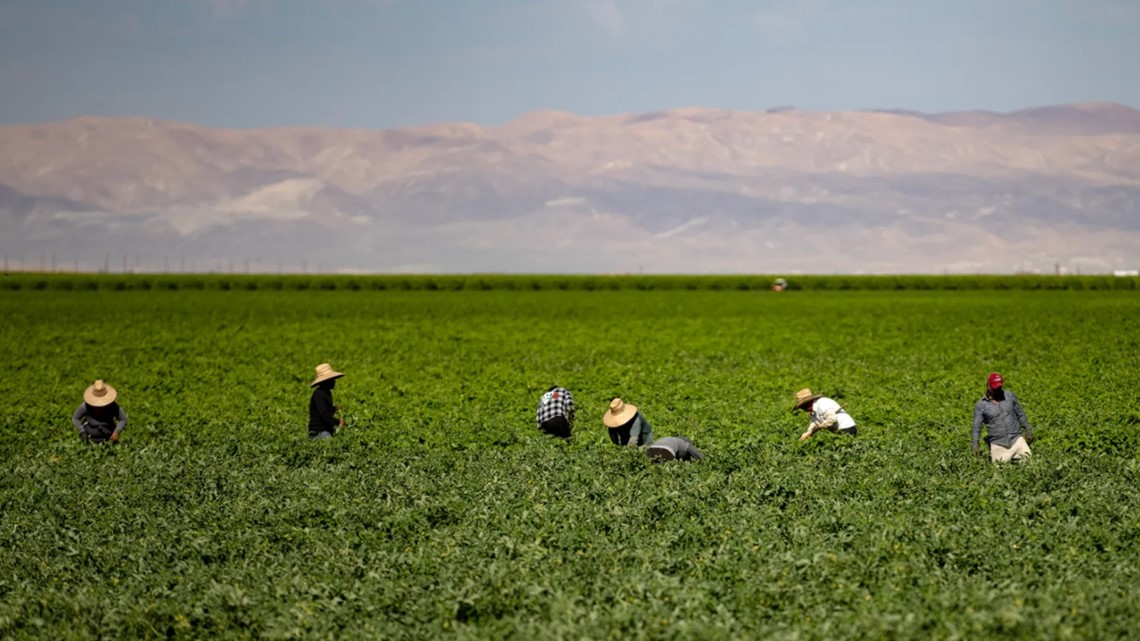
column 824, row 411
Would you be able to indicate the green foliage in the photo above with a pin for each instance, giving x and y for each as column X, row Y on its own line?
column 509, row 282
column 440, row 512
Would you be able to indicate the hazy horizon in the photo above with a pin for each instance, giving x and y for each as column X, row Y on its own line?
column 335, row 132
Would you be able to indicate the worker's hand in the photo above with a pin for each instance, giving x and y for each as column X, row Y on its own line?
column 342, row 422
column 1029, row 438
column 115, row 437
column 977, row 452
column 805, row 436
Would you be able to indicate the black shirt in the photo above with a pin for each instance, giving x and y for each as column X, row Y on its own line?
column 321, row 417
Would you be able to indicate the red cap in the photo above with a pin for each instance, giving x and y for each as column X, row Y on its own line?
column 994, row 381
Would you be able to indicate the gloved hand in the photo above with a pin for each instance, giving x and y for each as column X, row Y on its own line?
column 1029, row 438
column 977, row 452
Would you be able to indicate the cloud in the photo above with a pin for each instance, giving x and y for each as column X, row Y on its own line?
column 622, row 18
column 607, row 15
column 787, row 17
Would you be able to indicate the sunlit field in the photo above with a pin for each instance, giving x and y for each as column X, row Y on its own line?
column 441, row 512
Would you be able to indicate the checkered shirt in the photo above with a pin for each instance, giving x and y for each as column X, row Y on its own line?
column 557, row 402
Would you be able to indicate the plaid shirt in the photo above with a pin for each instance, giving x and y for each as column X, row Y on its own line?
column 557, row 402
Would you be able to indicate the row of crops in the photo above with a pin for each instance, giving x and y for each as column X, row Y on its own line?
column 508, row 282
column 440, row 512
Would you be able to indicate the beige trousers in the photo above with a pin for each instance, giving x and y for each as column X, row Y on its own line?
column 1019, row 451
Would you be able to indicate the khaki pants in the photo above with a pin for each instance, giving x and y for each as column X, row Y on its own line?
column 1019, row 451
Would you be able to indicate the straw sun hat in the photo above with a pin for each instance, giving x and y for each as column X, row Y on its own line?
column 803, row 397
column 619, row 413
column 99, row 395
column 325, row 373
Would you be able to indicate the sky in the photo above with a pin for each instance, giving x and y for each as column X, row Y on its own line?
column 380, row 64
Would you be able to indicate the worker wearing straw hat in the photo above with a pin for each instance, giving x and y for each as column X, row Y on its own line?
column 99, row 418
column 1001, row 413
column 826, row 414
column 626, row 425
column 322, row 413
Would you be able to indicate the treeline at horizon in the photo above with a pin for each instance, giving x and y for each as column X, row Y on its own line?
column 33, row 281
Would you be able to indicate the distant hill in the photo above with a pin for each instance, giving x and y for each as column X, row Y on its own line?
column 683, row 190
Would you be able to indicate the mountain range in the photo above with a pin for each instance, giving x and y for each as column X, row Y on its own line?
column 678, row 191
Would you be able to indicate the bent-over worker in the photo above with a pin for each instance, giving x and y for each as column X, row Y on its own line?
column 555, row 415
column 673, row 448
column 99, row 418
column 825, row 413
column 626, row 425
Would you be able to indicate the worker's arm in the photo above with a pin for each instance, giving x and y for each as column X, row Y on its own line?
column 77, row 417
column 977, row 433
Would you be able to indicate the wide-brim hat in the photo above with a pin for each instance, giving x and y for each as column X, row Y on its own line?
column 325, row 373
column 99, row 394
column 619, row 413
column 803, row 397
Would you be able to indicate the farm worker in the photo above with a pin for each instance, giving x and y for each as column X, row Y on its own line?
column 826, row 414
column 95, row 415
column 671, row 448
column 322, row 414
column 555, row 415
column 1001, row 412
column 626, row 425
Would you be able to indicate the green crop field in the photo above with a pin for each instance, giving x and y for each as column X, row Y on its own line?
column 441, row 512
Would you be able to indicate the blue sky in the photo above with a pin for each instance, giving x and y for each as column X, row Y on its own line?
column 388, row 63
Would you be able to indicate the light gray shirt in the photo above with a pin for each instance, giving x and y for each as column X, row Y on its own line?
column 678, row 447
